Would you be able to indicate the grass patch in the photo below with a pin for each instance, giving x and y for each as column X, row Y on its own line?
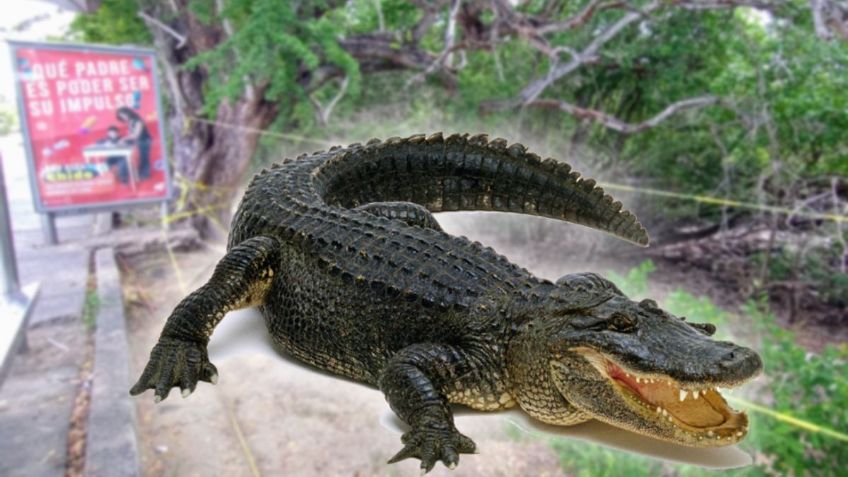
column 91, row 303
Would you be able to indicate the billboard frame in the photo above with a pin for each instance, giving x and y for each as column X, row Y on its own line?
column 39, row 206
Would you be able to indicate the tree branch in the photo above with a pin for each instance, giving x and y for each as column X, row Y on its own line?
column 535, row 88
column 181, row 39
column 380, row 51
column 580, row 18
column 768, row 5
column 323, row 113
column 616, row 124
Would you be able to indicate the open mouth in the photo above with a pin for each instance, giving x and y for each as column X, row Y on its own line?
column 697, row 409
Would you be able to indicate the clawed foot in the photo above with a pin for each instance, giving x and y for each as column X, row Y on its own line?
column 175, row 362
column 432, row 445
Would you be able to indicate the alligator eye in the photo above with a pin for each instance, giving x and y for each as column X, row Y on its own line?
column 621, row 323
column 649, row 304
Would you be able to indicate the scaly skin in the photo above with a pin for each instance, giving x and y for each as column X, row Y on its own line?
column 354, row 276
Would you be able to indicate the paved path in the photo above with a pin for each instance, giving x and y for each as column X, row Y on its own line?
column 36, row 398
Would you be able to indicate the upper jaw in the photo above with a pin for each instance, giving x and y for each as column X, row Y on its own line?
column 691, row 412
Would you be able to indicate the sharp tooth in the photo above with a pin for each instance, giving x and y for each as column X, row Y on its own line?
column 664, row 412
column 683, row 394
column 710, row 433
column 739, row 434
column 637, row 379
column 659, row 409
column 669, row 418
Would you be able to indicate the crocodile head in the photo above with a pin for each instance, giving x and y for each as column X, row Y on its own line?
column 637, row 367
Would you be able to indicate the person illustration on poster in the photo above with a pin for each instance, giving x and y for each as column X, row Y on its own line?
column 113, row 138
column 139, row 135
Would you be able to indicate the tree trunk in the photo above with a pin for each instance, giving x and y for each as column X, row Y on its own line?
column 210, row 156
column 213, row 157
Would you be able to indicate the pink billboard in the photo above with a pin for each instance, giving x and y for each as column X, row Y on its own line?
column 92, row 124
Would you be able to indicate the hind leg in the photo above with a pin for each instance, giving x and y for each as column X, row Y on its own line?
column 241, row 279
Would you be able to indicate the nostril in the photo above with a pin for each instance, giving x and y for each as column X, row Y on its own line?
column 738, row 363
column 731, row 358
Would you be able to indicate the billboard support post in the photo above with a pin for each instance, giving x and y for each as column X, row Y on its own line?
column 48, row 226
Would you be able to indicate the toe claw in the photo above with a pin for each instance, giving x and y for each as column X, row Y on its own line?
column 405, row 453
column 433, row 445
column 174, row 363
column 450, row 457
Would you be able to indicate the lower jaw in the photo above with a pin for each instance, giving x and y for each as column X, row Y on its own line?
column 681, row 433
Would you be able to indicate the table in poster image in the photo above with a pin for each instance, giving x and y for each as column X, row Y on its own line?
column 125, row 152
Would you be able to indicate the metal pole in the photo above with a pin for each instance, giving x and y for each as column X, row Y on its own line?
column 9, row 283
column 163, row 211
column 48, row 225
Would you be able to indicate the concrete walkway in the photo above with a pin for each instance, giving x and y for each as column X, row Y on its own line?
column 36, row 399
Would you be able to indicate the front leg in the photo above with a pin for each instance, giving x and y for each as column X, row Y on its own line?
column 241, row 279
column 412, row 382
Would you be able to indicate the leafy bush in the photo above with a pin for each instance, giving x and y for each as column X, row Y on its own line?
column 807, row 386
column 818, row 266
column 810, row 388
column 635, row 283
column 8, row 121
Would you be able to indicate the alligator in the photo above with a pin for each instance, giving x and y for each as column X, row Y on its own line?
column 353, row 275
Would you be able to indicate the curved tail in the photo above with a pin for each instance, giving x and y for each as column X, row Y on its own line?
column 471, row 173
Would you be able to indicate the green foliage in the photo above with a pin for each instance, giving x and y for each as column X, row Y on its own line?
column 8, row 120
column 698, row 310
column 90, row 308
column 786, row 92
column 635, row 283
column 114, row 22
column 819, row 266
column 809, row 387
column 271, row 46
column 584, row 459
